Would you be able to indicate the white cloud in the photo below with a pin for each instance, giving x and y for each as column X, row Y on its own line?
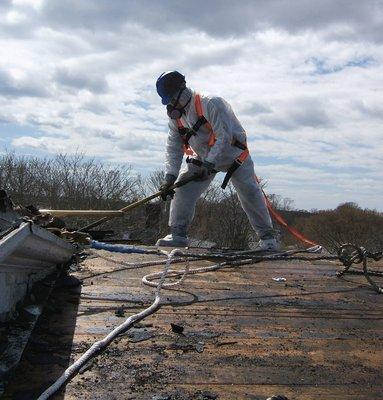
column 29, row 3
column 15, row 17
column 304, row 80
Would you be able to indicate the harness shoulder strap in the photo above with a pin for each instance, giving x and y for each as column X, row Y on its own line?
column 198, row 105
column 202, row 118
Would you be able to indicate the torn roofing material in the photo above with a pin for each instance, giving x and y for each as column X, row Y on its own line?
column 28, row 253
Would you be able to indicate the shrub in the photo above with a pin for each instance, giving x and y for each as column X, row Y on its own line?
column 348, row 223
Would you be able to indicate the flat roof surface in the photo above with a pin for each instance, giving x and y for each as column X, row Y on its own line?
column 246, row 336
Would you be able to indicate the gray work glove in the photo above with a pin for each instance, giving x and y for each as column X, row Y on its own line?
column 165, row 185
column 207, row 168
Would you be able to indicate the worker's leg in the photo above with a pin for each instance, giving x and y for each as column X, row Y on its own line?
column 252, row 200
column 182, row 208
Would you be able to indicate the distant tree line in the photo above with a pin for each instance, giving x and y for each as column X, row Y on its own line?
column 348, row 223
column 67, row 181
column 76, row 182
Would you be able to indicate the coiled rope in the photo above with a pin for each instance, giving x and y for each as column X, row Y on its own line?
column 350, row 254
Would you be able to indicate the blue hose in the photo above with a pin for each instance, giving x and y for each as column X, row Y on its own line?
column 120, row 248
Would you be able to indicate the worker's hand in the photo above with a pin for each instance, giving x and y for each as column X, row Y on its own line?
column 207, row 169
column 165, row 185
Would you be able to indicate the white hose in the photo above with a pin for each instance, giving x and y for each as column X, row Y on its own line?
column 97, row 347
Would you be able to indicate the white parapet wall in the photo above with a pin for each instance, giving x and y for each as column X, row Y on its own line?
column 27, row 254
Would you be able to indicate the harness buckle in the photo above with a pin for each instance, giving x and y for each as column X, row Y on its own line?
column 183, row 131
column 192, row 160
column 233, row 167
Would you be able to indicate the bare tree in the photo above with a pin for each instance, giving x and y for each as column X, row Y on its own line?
column 154, row 181
column 281, row 203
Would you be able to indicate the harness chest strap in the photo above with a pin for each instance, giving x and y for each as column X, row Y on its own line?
column 187, row 133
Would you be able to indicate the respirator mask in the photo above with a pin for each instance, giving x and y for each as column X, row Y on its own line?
column 172, row 110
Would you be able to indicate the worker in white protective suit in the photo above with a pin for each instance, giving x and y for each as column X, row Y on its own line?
column 208, row 132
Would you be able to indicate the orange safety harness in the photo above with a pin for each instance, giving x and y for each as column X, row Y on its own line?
column 187, row 133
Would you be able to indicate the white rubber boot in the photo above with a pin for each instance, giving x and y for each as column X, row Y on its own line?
column 173, row 241
column 177, row 238
column 267, row 245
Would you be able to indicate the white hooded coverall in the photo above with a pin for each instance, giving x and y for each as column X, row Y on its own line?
column 222, row 154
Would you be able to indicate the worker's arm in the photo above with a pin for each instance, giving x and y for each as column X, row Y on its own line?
column 219, row 114
column 174, row 150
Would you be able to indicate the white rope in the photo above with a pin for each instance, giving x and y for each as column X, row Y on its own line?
column 97, row 347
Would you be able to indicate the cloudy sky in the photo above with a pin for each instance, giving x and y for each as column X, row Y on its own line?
column 305, row 79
